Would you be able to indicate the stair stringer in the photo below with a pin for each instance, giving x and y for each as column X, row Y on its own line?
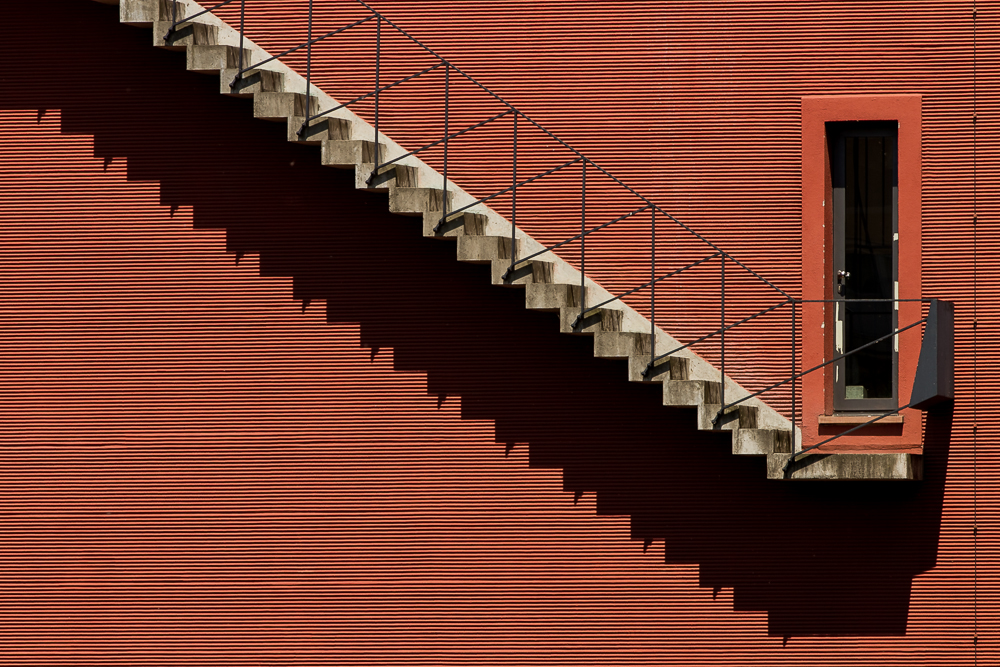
column 483, row 236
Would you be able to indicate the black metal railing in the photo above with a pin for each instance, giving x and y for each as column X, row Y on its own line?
column 519, row 117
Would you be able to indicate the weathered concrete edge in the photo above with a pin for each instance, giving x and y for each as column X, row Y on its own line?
column 839, row 467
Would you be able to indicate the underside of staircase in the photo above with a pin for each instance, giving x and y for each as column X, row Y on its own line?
column 484, row 237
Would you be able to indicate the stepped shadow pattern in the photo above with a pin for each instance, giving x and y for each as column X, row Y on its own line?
column 833, row 559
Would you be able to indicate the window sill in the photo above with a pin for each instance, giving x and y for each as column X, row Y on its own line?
column 848, row 420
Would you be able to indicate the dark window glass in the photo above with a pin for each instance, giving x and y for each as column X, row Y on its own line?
column 865, row 193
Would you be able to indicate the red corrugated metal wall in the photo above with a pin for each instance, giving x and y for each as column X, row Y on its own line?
column 199, row 471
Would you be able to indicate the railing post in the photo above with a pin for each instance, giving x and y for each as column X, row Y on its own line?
column 444, row 184
column 309, row 49
column 794, row 370
column 513, row 205
column 722, row 326
column 243, row 6
column 378, row 72
column 583, row 240
column 173, row 24
column 652, row 277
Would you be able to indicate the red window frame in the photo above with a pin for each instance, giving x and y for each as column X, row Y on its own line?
column 817, row 268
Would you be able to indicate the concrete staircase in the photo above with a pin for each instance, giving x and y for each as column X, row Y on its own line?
column 484, row 237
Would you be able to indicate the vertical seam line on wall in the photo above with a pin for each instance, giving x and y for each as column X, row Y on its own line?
column 975, row 347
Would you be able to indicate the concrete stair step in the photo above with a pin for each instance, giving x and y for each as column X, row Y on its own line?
column 620, row 344
column 144, row 13
column 459, row 224
column 593, row 320
column 392, row 176
column 279, row 107
column 532, row 271
column 319, row 130
column 417, row 201
column 740, row 420
column 214, row 58
column 349, row 153
column 691, row 393
column 634, row 348
column 252, row 82
column 184, row 34
column 667, row 368
column 734, row 418
column 483, row 249
column 551, row 297
column 761, row 442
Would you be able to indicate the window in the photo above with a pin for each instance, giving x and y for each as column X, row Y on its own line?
column 865, row 218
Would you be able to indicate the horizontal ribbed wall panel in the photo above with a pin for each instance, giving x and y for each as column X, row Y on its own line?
column 197, row 470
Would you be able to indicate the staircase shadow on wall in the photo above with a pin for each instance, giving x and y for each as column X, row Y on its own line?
column 827, row 559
